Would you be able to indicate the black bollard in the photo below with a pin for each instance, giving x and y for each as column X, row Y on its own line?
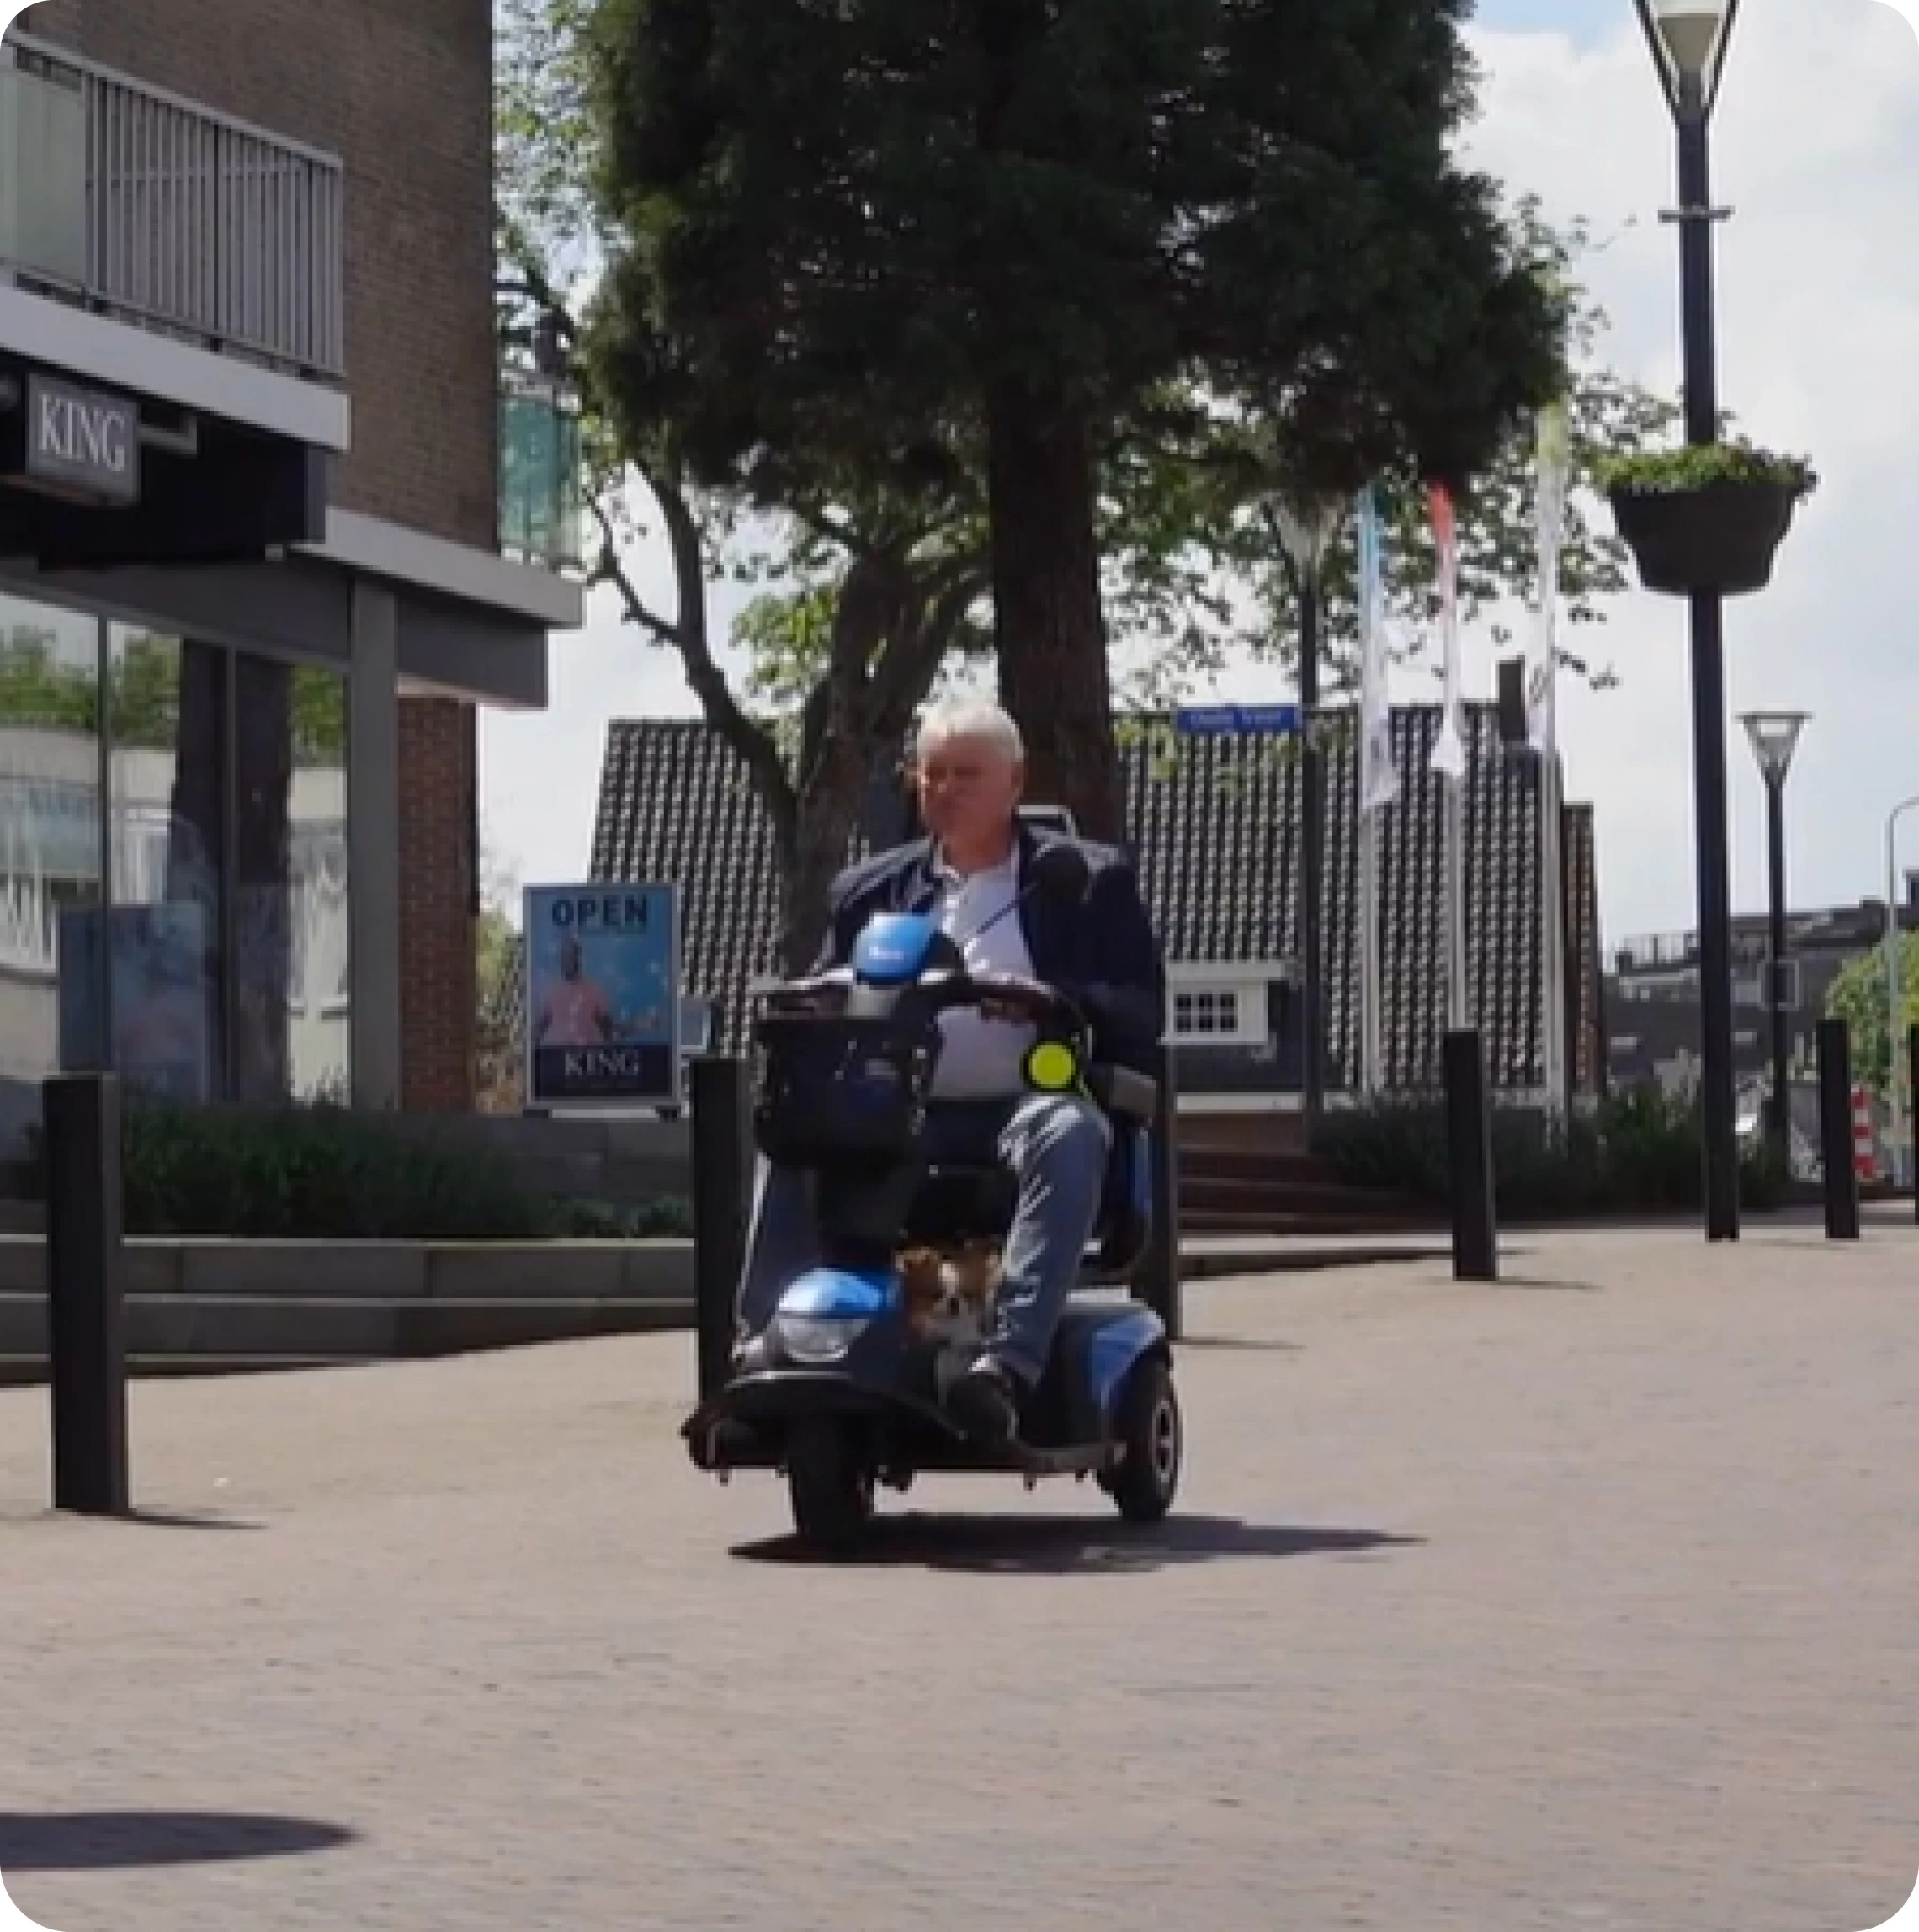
column 1913, row 1110
column 1159, row 1284
column 86, row 1305
column 722, row 1205
column 1839, row 1178
column 1469, row 1159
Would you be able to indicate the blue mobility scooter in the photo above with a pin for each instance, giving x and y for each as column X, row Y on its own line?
column 839, row 1392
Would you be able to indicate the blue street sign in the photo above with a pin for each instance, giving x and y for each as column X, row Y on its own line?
column 1239, row 721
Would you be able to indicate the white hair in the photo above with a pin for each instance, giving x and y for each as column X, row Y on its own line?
column 969, row 718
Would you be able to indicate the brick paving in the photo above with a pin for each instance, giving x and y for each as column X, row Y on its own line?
column 1586, row 1601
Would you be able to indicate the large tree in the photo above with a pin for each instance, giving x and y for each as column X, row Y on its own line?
column 852, row 233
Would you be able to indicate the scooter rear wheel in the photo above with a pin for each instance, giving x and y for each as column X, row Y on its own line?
column 831, row 1487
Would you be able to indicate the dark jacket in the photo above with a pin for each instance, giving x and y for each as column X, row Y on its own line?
column 1101, row 954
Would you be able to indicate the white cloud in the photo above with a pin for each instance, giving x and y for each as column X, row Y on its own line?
column 1816, row 149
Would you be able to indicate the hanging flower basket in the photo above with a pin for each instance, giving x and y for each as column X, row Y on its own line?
column 1709, row 518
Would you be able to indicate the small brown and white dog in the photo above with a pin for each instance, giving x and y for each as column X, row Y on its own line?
column 950, row 1296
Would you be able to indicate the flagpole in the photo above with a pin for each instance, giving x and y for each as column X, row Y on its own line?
column 1557, row 1066
column 1553, row 950
column 1452, row 759
column 1378, row 786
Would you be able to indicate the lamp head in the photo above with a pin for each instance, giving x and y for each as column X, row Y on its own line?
column 1774, row 736
column 1688, row 39
column 1307, row 524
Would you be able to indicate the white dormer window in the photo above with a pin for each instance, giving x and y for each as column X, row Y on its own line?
column 1216, row 1010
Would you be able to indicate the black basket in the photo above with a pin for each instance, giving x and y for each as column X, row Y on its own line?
column 1722, row 537
column 834, row 1088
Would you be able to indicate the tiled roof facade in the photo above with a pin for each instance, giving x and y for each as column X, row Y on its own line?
column 1213, row 823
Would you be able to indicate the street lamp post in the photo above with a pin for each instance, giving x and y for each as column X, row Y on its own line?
column 1893, row 988
column 1688, row 40
column 1307, row 525
column 1775, row 736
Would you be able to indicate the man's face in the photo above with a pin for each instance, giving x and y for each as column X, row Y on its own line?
column 570, row 958
column 969, row 790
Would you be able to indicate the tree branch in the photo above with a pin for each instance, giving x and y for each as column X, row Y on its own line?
column 751, row 741
column 910, row 661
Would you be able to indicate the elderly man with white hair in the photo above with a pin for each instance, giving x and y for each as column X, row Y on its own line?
column 970, row 775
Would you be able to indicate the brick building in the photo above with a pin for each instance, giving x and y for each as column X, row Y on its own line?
column 249, row 603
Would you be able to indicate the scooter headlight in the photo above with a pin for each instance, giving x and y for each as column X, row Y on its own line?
column 810, row 1338
column 824, row 1313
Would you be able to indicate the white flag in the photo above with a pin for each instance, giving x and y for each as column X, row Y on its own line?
column 1449, row 754
column 1379, row 774
column 1542, row 673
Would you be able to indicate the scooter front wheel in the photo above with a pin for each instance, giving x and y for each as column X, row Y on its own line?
column 831, row 1487
column 1152, row 1441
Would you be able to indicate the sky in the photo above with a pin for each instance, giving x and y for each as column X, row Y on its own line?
column 1816, row 151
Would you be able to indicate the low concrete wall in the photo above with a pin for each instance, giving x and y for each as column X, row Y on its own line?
column 625, row 1161
column 223, row 1304
column 394, row 1271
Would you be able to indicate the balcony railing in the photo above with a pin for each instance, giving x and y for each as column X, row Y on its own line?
column 147, row 206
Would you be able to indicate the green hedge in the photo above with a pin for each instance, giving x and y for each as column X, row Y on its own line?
column 322, row 1173
column 1641, row 1152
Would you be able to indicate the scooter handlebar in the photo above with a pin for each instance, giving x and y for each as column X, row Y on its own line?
column 1031, row 999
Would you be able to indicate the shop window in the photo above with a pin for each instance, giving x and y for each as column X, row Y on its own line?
column 51, row 850
column 194, row 936
column 166, row 712
column 291, row 994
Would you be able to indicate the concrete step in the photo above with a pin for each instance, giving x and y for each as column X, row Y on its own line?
column 341, row 1325
column 1207, row 1193
column 1280, row 1166
column 31, row 1370
column 1210, row 1258
column 1279, row 1222
column 1267, row 1132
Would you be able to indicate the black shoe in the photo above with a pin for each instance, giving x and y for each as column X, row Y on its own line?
column 986, row 1404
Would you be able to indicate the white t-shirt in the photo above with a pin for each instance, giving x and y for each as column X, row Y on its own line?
column 983, row 1059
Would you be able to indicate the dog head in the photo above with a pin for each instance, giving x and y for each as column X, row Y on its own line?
column 975, row 1272
column 946, row 1290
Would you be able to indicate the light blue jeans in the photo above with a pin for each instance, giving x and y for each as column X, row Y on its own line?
column 1055, row 1145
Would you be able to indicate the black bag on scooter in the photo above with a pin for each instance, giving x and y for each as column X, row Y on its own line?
column 835, row 1089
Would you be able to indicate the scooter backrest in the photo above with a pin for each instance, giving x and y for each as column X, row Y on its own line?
column 1060, row 873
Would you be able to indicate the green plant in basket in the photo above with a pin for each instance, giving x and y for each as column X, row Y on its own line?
column 1707, row 518
column 1696, row 467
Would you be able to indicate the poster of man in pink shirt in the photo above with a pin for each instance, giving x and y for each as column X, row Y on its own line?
column 603, row 993
column 574, row 1012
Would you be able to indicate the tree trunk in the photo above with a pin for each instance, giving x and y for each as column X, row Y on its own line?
column 828, row 813
column 1049, row 623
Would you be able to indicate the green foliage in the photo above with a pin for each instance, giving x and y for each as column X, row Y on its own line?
column 320, row 1173
column 1231, row 531
column 840, row 229
column 38, row 689
column 1640, row 1152
column 1857, row 996
column 1704, row 466
column 905, row 242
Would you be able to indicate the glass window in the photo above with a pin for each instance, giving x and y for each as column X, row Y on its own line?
column 166, row 709
column 291, row 999
column 1208, row 1015
column 50, row 851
